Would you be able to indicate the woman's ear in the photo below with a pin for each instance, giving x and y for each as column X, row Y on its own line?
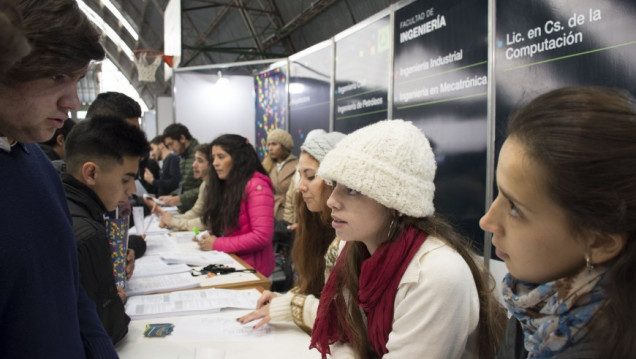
column 605, row 247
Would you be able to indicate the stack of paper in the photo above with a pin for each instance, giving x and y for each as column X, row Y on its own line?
column 199, row 259
column 161, row 283
column 190, row 302
column 159, row 244
column 148, row 266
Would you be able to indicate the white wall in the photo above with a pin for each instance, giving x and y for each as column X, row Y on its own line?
column 165, row 113
column 209, row 109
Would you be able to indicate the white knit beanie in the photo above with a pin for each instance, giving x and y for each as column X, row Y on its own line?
column 390, row 161
column 281, row 136
column 318, row 146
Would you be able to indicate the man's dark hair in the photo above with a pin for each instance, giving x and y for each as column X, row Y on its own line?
column 175, row 131
column 114, row 104
column 103, row 138
column 157, row 140
column 63, row 41
column 64, row 131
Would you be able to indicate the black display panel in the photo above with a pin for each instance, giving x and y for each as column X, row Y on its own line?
column 440, row 83
column 362, row 76
column 309, row 93
column 543, row 45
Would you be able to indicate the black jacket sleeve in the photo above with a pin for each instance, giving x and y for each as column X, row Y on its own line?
column 170, row 176
column 96, row 277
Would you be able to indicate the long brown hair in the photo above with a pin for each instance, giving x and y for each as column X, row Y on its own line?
column 223, row 203
column 492, row 316
column 313, row 236
column 585, row 138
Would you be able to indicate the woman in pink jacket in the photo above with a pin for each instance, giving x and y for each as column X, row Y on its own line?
column 239, row 210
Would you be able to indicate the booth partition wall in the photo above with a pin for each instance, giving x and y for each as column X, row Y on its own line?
column 456, row 69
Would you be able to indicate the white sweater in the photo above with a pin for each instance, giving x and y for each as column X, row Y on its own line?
column 436, row 308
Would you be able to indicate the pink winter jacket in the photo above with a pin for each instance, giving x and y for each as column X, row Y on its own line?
column 252, row 241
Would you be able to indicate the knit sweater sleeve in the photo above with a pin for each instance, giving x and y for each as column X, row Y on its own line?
column 259, row 207
column 192, row 218
column 297, row 308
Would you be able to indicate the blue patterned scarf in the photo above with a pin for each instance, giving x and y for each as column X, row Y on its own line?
column 555, row 315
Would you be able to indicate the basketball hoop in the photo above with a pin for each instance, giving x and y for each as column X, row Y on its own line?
column 147, row 62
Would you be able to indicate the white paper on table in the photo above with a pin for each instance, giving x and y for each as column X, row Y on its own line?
column 217, row 329
column 183, row 237
column 160, row 283
column 204, row 353
column 190, row 302
column 148, row 266
column 208, row 353
column 159, row 244
column 152, row 225
column 199, row 259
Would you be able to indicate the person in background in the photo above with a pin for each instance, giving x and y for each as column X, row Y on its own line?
column 102, row 162
column 239, row 209
column 170, row 176
column 289, row 213
column 564, row 223
column 315, row 247
column 178, row 139
column 54, row 148
column 117, row 104
column 41, row 291
column 192, row 218
column 280, row 163
column 406, row 284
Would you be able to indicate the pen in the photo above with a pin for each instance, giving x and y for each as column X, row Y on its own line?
column 196, row 231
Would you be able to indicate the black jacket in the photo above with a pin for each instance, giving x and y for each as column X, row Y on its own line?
column 95, row 266
column 170, row 176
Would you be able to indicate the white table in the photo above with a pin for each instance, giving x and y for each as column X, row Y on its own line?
column 286, row 341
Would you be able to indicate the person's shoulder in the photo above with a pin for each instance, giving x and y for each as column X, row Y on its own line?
column 259, row 179
column 87, row 229
column 435, row 256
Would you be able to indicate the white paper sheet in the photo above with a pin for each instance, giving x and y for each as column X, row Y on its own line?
column 190, row 302
column 160, row 244
column 148, row 266
column 161, row 283
column 218, row 329
column 199, row 259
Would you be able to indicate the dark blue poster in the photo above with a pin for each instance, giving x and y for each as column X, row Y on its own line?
column 362, row 76
column 309, row 92
column 543, row 45
column 440, row 83
column 271, row 105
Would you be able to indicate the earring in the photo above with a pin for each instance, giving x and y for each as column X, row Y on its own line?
column 391, row 228
column 589, row 266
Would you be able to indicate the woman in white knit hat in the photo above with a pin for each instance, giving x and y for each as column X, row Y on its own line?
column 406, row 284
column 315, row 249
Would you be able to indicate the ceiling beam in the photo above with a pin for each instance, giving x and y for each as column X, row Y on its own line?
column 250, row 25
column 316, row 8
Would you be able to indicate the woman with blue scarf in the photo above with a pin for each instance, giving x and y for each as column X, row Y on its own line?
column 564, row 222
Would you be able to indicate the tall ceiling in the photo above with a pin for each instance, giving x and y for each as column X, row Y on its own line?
column 225, row 31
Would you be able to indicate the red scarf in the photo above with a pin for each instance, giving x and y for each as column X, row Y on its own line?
column 379, row 278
